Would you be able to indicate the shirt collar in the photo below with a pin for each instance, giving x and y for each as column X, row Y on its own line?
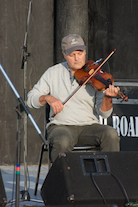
column 71, row 76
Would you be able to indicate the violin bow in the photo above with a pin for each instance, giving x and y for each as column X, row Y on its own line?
column 86, row 81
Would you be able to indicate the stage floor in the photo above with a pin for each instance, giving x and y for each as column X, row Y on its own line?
column 9, row 180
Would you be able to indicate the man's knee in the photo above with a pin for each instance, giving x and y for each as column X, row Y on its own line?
column 112, row 133
column 63, row 143
column 111, row 140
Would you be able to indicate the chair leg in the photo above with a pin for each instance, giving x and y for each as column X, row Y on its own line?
column 49, row 157
column 39, row 168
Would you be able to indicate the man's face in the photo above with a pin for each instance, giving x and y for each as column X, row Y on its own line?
column 76, row 59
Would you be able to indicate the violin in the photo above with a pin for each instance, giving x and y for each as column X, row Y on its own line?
column 100, row 81
column 91, row 73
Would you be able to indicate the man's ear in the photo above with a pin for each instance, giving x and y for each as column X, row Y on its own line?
column 64, row 54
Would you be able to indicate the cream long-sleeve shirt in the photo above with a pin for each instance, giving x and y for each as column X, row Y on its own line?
column 82, row 109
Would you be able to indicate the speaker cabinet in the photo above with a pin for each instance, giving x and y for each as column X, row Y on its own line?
column 3, row 198
column 92, row 178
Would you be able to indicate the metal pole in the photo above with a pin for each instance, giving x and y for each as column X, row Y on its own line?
column 18, row 150
column 24, row 66
column 23, row 105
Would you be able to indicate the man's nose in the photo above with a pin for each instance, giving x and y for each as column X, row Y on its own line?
column 76, row 57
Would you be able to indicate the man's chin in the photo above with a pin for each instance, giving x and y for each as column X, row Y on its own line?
column 78, row 66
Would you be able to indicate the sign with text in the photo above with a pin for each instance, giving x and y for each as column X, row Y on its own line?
column 124, row 119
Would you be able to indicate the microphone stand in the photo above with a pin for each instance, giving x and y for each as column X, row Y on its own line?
column 25, row 194
column 23, row 107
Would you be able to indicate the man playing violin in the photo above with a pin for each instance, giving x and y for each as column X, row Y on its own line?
column 76, row 122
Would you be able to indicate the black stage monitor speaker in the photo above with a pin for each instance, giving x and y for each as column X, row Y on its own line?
column 3, row 198
column 93, row 178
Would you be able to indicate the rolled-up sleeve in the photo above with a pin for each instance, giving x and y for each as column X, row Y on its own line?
column 33, row 100
column 106, row 114
column 39, row 89
column 98, row 101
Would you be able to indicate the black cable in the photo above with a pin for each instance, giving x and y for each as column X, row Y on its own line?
column 119, row 182
column 97, row 187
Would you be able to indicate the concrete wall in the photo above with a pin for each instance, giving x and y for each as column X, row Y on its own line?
column 13, row 21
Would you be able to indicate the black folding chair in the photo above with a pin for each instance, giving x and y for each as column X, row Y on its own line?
column 44, row 148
